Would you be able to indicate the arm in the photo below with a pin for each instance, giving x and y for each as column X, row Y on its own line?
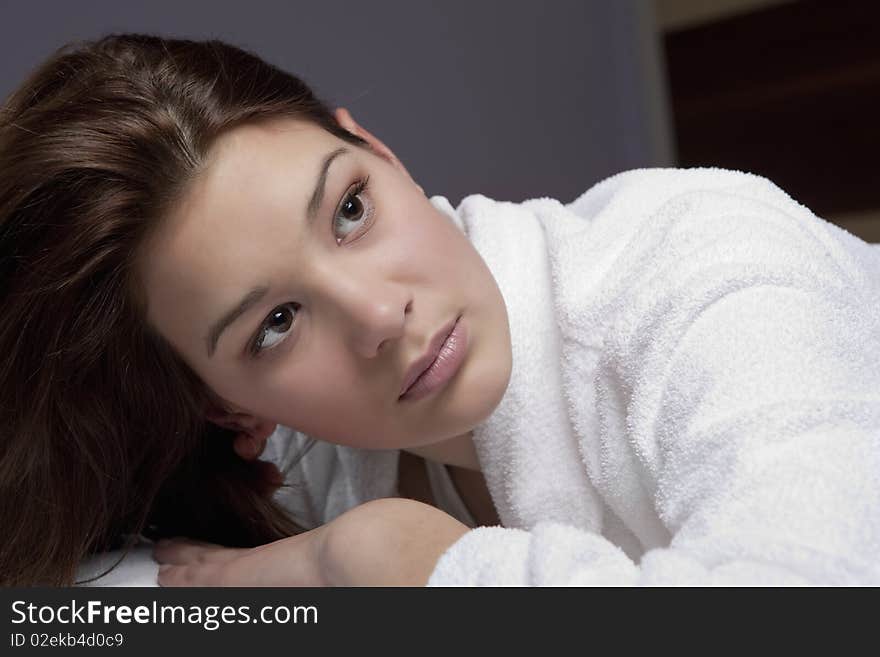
column 385, row 542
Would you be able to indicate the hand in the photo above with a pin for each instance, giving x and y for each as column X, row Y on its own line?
column 385, row 542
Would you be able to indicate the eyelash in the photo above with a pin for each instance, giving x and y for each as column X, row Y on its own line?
column 360, row 186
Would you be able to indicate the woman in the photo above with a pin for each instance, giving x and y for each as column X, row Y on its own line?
column 108, row 430
column 191, row 240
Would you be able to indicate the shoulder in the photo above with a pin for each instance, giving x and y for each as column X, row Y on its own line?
column 650, row 188
column 682, row 220
column 716, row 238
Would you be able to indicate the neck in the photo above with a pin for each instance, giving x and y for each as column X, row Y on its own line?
column 458, row 451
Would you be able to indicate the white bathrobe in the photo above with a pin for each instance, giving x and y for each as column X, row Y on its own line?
column 695, row 392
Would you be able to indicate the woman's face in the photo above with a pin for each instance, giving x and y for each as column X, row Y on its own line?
column 345, row 300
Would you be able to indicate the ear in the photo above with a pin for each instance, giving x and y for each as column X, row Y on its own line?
column 240, row 421
column 344, row 119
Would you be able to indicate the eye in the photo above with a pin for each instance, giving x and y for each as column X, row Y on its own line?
column 278, row 324
column 356, row 208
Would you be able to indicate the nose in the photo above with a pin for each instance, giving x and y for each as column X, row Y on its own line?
column 370, row 311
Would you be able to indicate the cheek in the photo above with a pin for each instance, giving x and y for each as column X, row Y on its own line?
column 227, row 386
column 320, row 384
column 329, row 400
column 438, row 248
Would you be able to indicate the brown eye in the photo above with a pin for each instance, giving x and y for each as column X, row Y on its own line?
column 354, row 212
column 352, row 208
column 277, row 324
column 280, row 319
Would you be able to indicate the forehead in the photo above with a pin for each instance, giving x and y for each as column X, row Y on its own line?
column 251, row 195
column 260, row 154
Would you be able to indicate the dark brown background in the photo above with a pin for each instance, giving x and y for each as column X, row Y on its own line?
column 791, row 92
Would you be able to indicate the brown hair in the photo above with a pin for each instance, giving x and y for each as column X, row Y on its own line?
column 102, row 425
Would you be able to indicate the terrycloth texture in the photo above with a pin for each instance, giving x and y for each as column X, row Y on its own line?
column 695, row 394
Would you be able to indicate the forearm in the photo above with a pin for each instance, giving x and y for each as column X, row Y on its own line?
column 387, row 542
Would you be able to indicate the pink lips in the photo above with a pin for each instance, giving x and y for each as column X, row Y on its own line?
column 421, row 364
column 441, row 367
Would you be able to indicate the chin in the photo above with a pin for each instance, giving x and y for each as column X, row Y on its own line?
column 479, row 408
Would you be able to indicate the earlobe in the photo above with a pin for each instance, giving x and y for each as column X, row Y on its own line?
column 246, row 424
column 240, row 421
column 225, row 415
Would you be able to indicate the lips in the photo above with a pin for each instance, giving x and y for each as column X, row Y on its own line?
column 424, row 362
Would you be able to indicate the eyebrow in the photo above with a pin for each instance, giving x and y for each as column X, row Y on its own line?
column 254, row 296
column 318, row 195
column 250, row 299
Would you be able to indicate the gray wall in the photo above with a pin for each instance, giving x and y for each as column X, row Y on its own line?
column 511, row 99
